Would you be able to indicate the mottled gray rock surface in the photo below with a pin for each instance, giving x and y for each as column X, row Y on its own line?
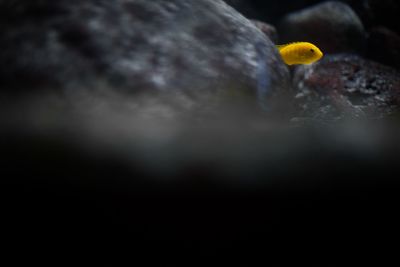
column 134, row 45
column 332, row 25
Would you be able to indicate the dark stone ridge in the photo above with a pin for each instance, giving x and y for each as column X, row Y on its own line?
column 347, row 86
column 135, row 46
column 333, row 26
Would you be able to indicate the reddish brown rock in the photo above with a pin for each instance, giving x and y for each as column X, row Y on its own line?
column 343, row 85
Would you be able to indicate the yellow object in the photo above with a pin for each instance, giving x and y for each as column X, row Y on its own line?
column 299, row 53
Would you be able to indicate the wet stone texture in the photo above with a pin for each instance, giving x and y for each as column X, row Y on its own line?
column 347, row 86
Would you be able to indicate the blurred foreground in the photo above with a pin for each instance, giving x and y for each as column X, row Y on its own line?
column 95, row 172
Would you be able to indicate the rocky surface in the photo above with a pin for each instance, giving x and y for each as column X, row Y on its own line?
column 343, row 86
column 333, row 26
column 134, row 46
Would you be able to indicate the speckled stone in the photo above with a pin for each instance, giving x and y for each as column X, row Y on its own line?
column 347, row 86
column 135, row 45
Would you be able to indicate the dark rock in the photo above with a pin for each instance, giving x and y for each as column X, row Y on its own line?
column 384, row 46
column 333, row 26
column 347, row 86
column 134, row 45
column 268, row 10
column 268, row 29
column 378, row 13
column 372, row 12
